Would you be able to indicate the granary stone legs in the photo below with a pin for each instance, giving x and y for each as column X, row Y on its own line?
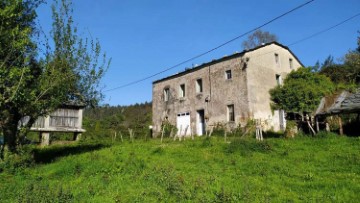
column 45, row 138
column 77, row 136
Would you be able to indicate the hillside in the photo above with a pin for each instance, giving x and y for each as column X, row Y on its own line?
column 323, row 169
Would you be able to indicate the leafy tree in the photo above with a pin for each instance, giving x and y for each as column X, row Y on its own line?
column 352, row 60
column 257, row 38
column 302, row 91
column 19, row 70
column 347, row 73
column 338, row 73
column 32, row 86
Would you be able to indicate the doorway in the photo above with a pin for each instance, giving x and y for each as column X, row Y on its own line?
column 200, row 122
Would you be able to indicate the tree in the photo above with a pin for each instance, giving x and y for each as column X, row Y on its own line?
column 19, row 69
column 352, row 59
column 347, row 73
column 257, row 38
column 32, row 86
column 301, row 92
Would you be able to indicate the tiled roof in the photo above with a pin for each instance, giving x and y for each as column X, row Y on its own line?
column 224, row 59
column 344, row 102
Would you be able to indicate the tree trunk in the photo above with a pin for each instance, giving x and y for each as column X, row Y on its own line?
column 9, row 128
column 10, row 132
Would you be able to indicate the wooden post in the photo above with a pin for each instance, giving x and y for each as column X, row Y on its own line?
column 327, row 127
column 317, row 124
column 131, row 134
column 311, row 128
column 171, row 132
column 185, row 131
column 162, row 133
column 121, row 136
column 211, row 131
column 341, row 130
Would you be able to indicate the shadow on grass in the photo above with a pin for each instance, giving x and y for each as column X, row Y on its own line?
column 49, row 154
column 272, row 134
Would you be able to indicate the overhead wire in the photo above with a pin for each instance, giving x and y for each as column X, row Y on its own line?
column 211, row 50
column 311, row 36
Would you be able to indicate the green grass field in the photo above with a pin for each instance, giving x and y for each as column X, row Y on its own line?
column 303, row 169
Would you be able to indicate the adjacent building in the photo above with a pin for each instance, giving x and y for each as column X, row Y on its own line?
column 224, row 92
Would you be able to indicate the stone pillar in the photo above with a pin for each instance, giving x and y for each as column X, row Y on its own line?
column 77, row 136
column 45, row 138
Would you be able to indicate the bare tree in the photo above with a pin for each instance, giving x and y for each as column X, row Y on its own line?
column 257, row 38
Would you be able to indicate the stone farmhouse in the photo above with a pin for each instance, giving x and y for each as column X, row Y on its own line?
column 228, row 91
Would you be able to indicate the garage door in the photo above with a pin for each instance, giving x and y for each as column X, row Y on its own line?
column 183, row 123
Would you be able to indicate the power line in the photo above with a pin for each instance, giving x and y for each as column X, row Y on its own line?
column 325, row 30
column 213, row 49
column 310, row 36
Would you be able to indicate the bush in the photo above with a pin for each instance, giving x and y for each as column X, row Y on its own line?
column 14, row 162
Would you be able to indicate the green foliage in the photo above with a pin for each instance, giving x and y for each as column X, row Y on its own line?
column 34, row 84
column 168, row 127
column 79, row 58
column 304, row 169
column 346, row 74
column 291, row 128
column 14, row 162
column 103, row 122
column 301, row 92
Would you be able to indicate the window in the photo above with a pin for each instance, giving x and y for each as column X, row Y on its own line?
column 182, row 90
column 166, row 94
column 291, row 63
column 228, row 75
column 278, row 79
column 277, row 59
column 199, row 87
column 231, row 113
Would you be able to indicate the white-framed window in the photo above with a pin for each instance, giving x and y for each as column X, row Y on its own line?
column 199, row 86
column 166, row 94
column 291, row 63
column 182, row 90
column 279, row 79
column 231, row 113
column 277, row 60
column 228, row 74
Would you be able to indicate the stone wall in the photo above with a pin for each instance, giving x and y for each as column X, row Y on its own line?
column 253, row 75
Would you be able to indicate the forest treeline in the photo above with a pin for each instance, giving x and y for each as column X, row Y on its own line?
column 110, row 121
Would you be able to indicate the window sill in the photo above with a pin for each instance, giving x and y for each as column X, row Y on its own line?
column 182, row 98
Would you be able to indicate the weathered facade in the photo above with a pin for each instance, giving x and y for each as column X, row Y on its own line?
column 228, row 91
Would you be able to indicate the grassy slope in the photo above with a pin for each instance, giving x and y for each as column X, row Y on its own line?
column 277, row 170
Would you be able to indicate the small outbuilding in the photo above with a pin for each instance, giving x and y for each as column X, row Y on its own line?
column 67, row 118
column 341, row 103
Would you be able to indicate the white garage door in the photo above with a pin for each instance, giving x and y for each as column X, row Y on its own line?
column 183, row 123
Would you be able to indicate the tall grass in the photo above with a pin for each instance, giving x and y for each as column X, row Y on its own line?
column 321, row 169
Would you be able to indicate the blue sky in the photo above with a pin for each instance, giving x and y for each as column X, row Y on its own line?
column 146, row 37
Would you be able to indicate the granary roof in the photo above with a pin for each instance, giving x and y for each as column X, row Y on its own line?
column 224, row 59
column 344, row 102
